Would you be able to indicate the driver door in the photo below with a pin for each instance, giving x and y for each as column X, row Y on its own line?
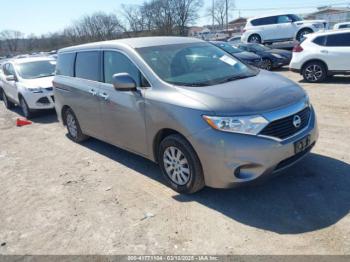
column 10, row 87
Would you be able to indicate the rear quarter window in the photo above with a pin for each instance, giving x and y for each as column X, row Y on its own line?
column 321, row 40
column 65, row 64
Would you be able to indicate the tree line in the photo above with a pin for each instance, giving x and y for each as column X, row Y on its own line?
column 153, row 17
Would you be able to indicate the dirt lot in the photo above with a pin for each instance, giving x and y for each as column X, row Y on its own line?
column 57, row 197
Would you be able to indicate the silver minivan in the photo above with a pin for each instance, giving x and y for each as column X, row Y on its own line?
column 205, row 117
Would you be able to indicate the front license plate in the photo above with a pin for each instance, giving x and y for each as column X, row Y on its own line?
column 302, row 144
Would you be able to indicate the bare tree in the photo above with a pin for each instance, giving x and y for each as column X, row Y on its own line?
column 11, row 40
column 219, row 12
column 186, row 12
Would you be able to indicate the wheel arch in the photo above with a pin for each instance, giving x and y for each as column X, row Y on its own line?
column 161, row 134
column 314, row 60
column 304, row 28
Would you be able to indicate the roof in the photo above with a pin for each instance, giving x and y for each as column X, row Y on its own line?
column 239, row 19
column 139, row 42
column 31, row 59
column 276, row 13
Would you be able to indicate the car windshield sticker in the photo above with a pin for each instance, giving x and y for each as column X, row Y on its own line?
column 228, row 60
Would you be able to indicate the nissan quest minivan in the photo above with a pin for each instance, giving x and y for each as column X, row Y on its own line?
column 205, row 117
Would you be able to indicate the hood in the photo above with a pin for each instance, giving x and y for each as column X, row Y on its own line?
column 43, row 82
column 255, row 95
column 247, row 56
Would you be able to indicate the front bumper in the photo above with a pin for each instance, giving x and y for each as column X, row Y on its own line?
column 230, row 159
column 37, row 101
column 281, row 62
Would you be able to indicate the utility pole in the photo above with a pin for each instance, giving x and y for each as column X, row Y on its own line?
column 212, row 14
column 227, row 16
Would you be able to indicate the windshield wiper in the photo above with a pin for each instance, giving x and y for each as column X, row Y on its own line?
column 233, row 78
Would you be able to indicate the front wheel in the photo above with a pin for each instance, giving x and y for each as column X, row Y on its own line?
column 27, row 113
column 7, row 102
column 314, row 72
column 180, row 165
column 266, row 64
column 74, row 131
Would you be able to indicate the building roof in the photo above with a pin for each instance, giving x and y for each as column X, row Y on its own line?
column 330, row 10
column 238, row 20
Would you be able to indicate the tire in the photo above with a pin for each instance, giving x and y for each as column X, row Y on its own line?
column 302, row 33
column 74, row 131
column 7, row 102
column 27, row 112
column 314, row 72
column 187, row 176
column 266, row 64
column 255, row 38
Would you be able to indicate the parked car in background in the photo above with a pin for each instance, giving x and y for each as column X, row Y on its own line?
column 213, row 36
column 280, row 28
column 28, row 82
column 344, row 25
column 322, row 54
column 246, row 57
column 271, row 58
column 235, row 39
column 204, row 116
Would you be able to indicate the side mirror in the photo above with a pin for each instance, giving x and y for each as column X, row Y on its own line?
column 11, row 78
column 123, row 82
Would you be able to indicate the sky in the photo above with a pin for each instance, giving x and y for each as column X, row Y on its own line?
column 44, row 16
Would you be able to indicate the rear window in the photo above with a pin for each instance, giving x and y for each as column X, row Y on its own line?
column 87, row 65
column 338, row 39
column 65, row 64
column 264, row 21
column 344, row 26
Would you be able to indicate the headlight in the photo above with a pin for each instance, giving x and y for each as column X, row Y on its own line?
column 35, row 90
column 277, row 55
column 246, row 124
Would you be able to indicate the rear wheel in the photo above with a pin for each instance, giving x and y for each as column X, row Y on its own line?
column 180, row 165
column 74, row 131
column 314, row 72
column 301, row 34
column 7, row 102
column 255, row 38
column 27, row 113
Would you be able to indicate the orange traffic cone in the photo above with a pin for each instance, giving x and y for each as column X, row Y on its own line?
column 22, row 122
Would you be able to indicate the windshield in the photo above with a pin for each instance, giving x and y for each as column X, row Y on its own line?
column 37, row 69
column 229, row 48
column 295, row 18
column 260, row 48
column 195, row 64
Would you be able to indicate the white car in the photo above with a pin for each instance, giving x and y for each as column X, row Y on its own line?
column 322, row 54
column 280, row 28
column 28, row 82
column 344, row 25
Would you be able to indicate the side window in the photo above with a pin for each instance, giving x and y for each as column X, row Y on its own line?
column 87, row 65
column 344, row 26
column 339, row 40
column 321, row 40
column 65, row 64
column 265, row 21
column 283, row 19
column 115, row 63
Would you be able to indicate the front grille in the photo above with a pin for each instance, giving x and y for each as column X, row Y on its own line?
column 284, row 128
column 43, row 100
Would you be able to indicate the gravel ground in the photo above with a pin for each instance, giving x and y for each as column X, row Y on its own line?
column 57, row 197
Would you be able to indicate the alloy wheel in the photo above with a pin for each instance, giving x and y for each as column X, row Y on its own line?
column 313, row 73
column 266, row 64
column 72, row 125
column 254, row 39
column 5, row 99
column 24, row 107
column 176, row 166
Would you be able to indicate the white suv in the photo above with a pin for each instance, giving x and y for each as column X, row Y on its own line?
column 28, row 82
column 280, row 28
column 322, row 54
